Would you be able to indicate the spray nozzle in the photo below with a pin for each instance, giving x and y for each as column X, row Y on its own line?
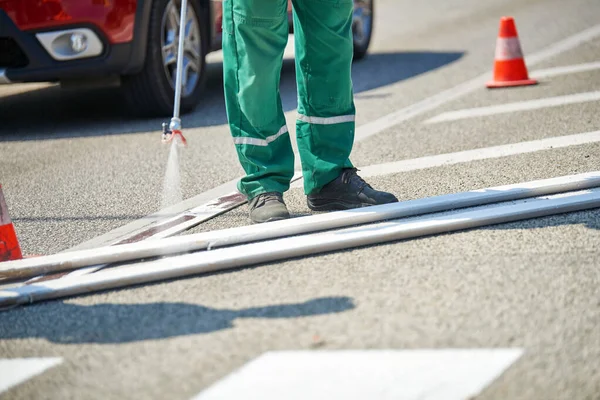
column 169, row 134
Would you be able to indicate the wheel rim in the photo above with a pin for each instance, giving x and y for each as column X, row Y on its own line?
column 362, row 21
column 192, row 59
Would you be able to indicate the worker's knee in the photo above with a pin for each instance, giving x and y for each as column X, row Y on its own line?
column 327, row 95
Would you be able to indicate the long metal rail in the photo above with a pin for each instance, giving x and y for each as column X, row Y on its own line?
column 304, row 245
column 22, row 269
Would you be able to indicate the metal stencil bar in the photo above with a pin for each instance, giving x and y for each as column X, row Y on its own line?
column 22, row 269
column 267, row 251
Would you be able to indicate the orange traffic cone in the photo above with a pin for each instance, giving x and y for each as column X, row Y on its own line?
column 9, row 244
column 509, row 65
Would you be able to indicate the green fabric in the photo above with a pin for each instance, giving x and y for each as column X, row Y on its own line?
column 255, row 36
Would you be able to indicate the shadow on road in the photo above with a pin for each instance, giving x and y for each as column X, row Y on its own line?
column 123, row 323
column 50, row 112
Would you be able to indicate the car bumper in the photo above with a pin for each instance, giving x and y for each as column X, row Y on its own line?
column 26, row 57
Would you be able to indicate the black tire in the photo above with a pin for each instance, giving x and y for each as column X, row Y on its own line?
column 149, row 93
column 362, row 47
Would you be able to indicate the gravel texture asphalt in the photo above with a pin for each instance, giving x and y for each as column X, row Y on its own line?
column 74, row 165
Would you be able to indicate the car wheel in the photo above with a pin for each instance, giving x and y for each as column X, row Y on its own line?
column 362, row 27
column 151, row 92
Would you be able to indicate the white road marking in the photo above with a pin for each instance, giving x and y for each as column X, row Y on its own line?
column 435, row 101
column 372, row 128
column 362, row 132
column 515, row 107
column 566, row 69
column 476, row 155
column 17, row 370
column 564, row 45
column 446, row 374
column 163, row 215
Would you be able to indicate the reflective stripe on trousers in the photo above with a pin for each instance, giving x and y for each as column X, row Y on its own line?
column 326, row 121
column 260, row 142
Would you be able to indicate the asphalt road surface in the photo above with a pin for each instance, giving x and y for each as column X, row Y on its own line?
column 75, row 167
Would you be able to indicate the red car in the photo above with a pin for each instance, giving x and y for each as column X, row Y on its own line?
column 127, row 42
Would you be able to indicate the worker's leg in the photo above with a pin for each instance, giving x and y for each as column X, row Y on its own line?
column 255, row 34
column 325, row 125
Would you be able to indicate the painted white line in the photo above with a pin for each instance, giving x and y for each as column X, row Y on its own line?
column 372, row 128
column 446, row 374
column 476, row 155
column 17, row 370
column 480, row 154
column 564, row 45
column 162, row 216
column 362, row 132
column 566, row 69
column 435, row 101
column 515, row 107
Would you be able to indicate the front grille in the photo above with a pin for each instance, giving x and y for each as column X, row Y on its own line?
column 11, row 55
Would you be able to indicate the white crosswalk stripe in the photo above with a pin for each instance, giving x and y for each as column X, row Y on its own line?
column 18, row 370
column 356, row 375
column 514, row 107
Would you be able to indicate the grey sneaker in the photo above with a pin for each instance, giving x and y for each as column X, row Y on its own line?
column 267, row 207
column 348, row 191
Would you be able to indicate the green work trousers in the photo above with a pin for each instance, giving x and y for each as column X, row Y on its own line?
column 255, row 34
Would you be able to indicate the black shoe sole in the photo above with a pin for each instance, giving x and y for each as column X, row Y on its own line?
column 333, row 205
column 273, row 219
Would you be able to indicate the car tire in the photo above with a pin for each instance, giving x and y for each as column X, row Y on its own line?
column 151, row 92
column 362, row 39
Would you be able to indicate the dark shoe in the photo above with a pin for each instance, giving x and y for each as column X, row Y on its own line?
column 348, row 191
column 267, row 207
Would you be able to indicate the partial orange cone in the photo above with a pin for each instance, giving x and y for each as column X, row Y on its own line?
column 9, row 244
column 509, row 65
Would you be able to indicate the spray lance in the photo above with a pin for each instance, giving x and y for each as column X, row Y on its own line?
column 173, row 129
